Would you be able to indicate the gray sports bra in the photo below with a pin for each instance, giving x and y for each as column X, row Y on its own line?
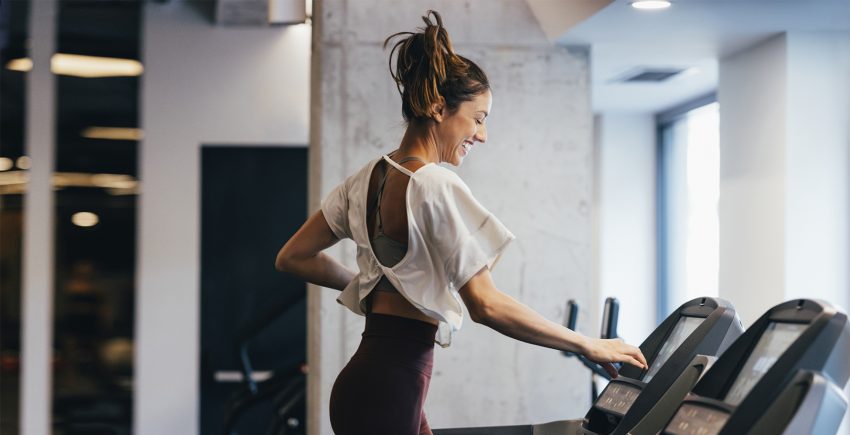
column 388, row 250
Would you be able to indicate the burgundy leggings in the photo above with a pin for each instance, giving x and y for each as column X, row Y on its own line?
column 382, row 389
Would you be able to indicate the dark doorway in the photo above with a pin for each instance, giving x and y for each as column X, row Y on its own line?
column 252, row 200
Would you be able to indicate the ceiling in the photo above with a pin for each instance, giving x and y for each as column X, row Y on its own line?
column 690, row 34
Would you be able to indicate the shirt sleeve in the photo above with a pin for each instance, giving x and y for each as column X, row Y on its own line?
column 335, row 210
column 461, row 233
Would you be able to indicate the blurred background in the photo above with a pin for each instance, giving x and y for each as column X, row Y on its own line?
column 155, row 155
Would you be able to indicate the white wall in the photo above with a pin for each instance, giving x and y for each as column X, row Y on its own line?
column 784, row 171
column 785, row 195
column 535, row 173
column 625, row 194
column 817, row 208
column 203, row 84
column 752, row 98
column 38, row 241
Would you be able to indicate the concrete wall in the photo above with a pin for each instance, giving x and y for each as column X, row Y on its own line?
column 203, row 84
column 625, row 194
column 535, row 173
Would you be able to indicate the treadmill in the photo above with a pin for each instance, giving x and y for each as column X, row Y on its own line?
column 678, row 352
column 784, row 375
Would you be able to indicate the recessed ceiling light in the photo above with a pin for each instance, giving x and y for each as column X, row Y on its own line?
column 23, row 162
column 113, row 133
column 651, row 4
column 22, row 64
column 85, row 219
column 84, row 66
column 94, row 66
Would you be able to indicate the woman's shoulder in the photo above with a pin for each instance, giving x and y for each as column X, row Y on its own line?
column 435, row 183
column 436, row 176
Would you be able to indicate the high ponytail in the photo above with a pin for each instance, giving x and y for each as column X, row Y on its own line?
column 428, row 71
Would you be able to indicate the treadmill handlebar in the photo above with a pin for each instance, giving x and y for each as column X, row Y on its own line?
column 610, row 316
column 572, row 314
column 609, row 330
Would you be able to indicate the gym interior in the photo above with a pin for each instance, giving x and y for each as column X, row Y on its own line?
column 656, row 166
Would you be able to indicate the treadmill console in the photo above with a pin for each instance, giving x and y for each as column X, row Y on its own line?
column 776, row 339
column 683, row 329
column 697, row 420
column 703, row 326
column 741, row 386
column 620, row 394
column 618, row 398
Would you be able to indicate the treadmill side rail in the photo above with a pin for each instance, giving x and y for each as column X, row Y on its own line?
column 668, row 404
column 562, row 427
column 809, row 404
column 525, row 429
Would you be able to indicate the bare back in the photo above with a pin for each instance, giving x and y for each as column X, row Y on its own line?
column 393, row 220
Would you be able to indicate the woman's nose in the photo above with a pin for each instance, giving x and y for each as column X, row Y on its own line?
column 481, row 134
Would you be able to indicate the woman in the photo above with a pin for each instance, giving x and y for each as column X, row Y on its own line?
column 422, row 241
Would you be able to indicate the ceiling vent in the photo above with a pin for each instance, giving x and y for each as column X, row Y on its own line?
column 649, row 75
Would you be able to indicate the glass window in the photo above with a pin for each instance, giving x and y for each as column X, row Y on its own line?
column 14, row 163
column 97, row 66
column 689, row 189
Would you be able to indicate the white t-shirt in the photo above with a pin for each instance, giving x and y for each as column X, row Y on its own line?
column 451, row 237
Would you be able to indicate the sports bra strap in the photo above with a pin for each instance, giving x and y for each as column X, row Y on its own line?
column 410, row 159
column 401, row 168
column 379, row 225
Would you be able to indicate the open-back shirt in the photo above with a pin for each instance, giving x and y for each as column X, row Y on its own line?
column 451, row 237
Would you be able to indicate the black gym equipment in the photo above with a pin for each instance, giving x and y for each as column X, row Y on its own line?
column 775, row 378
column 610, row 316
column 285, row 390
column 678, row 352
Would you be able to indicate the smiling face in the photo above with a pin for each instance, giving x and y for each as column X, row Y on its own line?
column 458, row 132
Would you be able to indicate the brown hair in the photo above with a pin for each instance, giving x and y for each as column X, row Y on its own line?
column 427, row 70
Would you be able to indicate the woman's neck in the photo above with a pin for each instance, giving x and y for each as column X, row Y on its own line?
column 419, row 140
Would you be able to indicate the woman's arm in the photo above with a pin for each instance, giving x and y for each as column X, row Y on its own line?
column 302, row 255
column 490, row 307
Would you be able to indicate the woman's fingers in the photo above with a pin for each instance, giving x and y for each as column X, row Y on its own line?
column 636, row 363
column 606, row 351
column 635, row 356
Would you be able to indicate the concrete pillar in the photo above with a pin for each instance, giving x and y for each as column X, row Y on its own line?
column 535, row 173
column 785, row 172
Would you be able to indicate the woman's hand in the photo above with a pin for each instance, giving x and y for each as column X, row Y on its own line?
column 489, row 306
column 607, row 351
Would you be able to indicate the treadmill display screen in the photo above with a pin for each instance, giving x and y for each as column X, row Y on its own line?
column 773, row 342
column 618, row 397
column 693, row 419
column 684, row 327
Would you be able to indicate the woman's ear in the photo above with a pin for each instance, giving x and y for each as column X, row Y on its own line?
column 438, row 111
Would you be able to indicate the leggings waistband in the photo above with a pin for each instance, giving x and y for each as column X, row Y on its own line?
column 385, row 325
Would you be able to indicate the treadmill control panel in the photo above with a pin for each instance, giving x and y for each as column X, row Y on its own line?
column 683, row 329
column 617, row 398
column 771, row 345
column 693, row 419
